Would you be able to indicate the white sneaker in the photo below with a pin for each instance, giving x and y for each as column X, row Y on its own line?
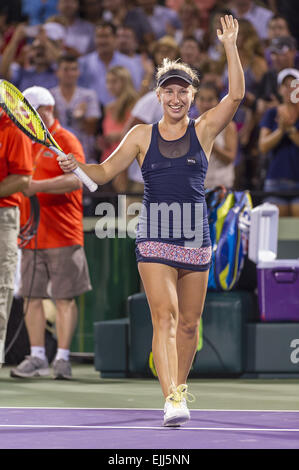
column 175, row 413
column 175, row 409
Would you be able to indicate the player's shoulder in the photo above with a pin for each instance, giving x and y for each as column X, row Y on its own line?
column 140, row 131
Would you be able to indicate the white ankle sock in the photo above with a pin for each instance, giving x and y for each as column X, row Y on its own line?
column 62, row 354
column 38, row 351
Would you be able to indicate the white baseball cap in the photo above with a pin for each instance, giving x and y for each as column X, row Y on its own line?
column 39, row 96
column 287, row 73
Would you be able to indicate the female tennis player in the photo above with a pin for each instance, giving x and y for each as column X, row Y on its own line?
column 173, row 245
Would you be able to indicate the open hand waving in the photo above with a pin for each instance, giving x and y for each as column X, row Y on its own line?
column 230, row 28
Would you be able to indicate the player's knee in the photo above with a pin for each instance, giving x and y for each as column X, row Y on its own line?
column 189, row 326
column 164, row 316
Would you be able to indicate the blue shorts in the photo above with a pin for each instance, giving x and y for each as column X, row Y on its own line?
column 282, row 185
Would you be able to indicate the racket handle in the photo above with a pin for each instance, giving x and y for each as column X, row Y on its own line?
column 91, row 185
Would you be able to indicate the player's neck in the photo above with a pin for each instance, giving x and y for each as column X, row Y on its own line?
column 172, row 128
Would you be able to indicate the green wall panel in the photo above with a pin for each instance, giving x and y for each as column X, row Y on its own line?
column 114, row 276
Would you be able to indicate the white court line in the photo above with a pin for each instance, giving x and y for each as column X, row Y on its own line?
column 137, row 409
column 50, row 426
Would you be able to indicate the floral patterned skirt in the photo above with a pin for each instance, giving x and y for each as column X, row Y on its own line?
column 194, row 259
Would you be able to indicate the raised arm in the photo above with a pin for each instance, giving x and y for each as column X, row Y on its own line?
column 132, row 146
column 10, row 50
column 217, row 118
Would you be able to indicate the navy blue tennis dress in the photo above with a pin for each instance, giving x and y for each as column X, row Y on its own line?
column 173, row 227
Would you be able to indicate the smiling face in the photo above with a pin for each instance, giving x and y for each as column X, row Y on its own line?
column 176, row 97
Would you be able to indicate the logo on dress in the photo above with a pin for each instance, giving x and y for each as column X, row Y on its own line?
column 191, row 161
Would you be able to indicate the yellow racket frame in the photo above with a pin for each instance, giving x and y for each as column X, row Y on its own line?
column 20, row 111
column 27, row 119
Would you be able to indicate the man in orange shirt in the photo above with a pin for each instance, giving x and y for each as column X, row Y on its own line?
column 15, row 171
column 53, row 264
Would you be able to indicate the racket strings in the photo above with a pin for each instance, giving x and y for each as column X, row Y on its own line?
column 20, row 111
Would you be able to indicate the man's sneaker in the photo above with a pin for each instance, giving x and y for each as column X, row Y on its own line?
column 62, row 369
column 32, row 366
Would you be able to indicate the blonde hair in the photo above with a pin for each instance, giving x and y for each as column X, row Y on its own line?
column 168, row 65
column 128, row 97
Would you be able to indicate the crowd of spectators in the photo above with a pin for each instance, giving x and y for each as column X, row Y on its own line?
column 99, row 57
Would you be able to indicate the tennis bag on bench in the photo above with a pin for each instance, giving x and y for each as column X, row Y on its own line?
column 228, row 212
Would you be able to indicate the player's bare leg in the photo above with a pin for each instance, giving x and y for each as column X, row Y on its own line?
column 160, row 283
column 192, row 288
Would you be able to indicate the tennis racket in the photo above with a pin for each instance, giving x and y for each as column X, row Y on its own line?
column 23, row 115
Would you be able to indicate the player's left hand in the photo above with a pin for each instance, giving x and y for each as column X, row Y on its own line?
column 230, row 28
column 67, row 163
